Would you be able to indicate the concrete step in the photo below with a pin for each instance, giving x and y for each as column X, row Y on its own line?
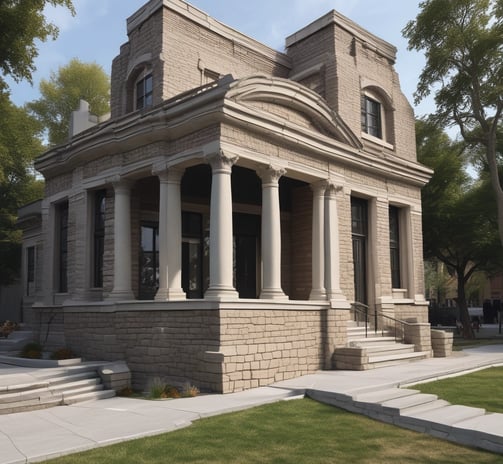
column 76, row 385
column 90, row 396
column 53, row 387
column 406, row 403
column 389, row 348
column 31, row 405
column 393, row 359
column 16, row 340
column 384, row 395
column 369, row 341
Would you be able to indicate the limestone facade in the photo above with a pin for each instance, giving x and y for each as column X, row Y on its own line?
column 218, row 227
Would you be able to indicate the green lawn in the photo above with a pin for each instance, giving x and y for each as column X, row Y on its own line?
column 299, row 431
column 481, row 389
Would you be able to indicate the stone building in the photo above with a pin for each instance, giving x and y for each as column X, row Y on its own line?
column 217, row 228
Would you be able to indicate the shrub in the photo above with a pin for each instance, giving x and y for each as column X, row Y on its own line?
column 189, row 391
column 156, row 389
column 32, row 350
column 63, row 353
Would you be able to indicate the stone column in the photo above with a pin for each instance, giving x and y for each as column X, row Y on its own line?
column 318, row 291
column 221, row 236
column 332, row 244
column 122, row 241
column 170, row 235
column 271, row 234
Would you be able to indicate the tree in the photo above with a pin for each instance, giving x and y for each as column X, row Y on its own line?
column 22, row 23
column 19, row 144
column 463, row 45
column 61, row 95
column 456, row 229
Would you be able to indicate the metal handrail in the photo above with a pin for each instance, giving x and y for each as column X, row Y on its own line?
column 361, row 308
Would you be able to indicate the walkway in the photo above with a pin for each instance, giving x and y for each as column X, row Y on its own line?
column 38, row 435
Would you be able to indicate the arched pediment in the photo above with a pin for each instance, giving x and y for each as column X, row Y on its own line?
column 292, row 102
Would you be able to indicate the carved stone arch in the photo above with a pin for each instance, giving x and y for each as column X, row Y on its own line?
column 376, row 92
column 141, row 65
column 293, row 96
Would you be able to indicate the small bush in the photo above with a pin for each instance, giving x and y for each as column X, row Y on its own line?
column 190, row 391
column 125, row 392
column 32, row 350
column 156, row 389
column 62, row 353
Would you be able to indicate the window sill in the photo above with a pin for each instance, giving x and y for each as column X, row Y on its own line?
column 377, row 141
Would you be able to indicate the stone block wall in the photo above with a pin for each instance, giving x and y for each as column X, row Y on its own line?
column 216, row 349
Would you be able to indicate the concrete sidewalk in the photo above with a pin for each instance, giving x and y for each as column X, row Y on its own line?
column 39, row 435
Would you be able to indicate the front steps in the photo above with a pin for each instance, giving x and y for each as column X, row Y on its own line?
column 373, row 351
column 53, row 387
column 423, row 413
column 16, row 341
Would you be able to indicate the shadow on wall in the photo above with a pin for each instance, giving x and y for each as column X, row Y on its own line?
column 11, row 302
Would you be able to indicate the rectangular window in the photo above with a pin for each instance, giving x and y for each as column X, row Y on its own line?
column 144, row 92
column 371, row 117
column 30, row 270
column 149, row 261
column 99, row 237
column 394, row 246
column 62, row 247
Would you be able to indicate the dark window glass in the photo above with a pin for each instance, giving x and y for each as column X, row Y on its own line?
column 30, row 270
column 371, row 117
column 394, row 246
column 149, row 261
column 144, row 92
column 62, row 218
column 359, row 233
column 99, row 237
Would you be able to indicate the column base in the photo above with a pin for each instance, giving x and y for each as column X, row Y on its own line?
column 170, row 294
column 273, row 294
column 223, row 293
column 338, row 301
column 318, row 294
column 120, row 295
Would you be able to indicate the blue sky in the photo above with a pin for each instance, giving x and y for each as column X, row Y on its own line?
column 99, row 28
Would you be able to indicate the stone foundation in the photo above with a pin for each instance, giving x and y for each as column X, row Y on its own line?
column 216, row 346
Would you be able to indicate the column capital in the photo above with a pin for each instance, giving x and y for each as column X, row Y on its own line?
column 333, row 188
column 120, row 182
column 318, row 187
column 171, row 175
column 221, row 162
column 270, row 175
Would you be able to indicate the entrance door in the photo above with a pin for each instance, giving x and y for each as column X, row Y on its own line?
column 246, row 239
column 359, row 230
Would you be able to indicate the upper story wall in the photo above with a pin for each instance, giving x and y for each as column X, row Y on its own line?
column 183, row 48
column 347, row 64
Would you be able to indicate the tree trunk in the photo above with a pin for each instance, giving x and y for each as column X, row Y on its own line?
column 463, row 307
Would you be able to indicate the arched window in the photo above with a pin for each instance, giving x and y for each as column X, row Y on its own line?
column 144, row 91
column 140, row 87
column 376, row 114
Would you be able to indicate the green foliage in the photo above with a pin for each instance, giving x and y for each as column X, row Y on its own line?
column 457, row 212
column 22, row 23
column 61, row 95
column 482, row 389
column 300, row 432
column 32, row 350
column 62, row 353
column 19, row 145
column 463, row 45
